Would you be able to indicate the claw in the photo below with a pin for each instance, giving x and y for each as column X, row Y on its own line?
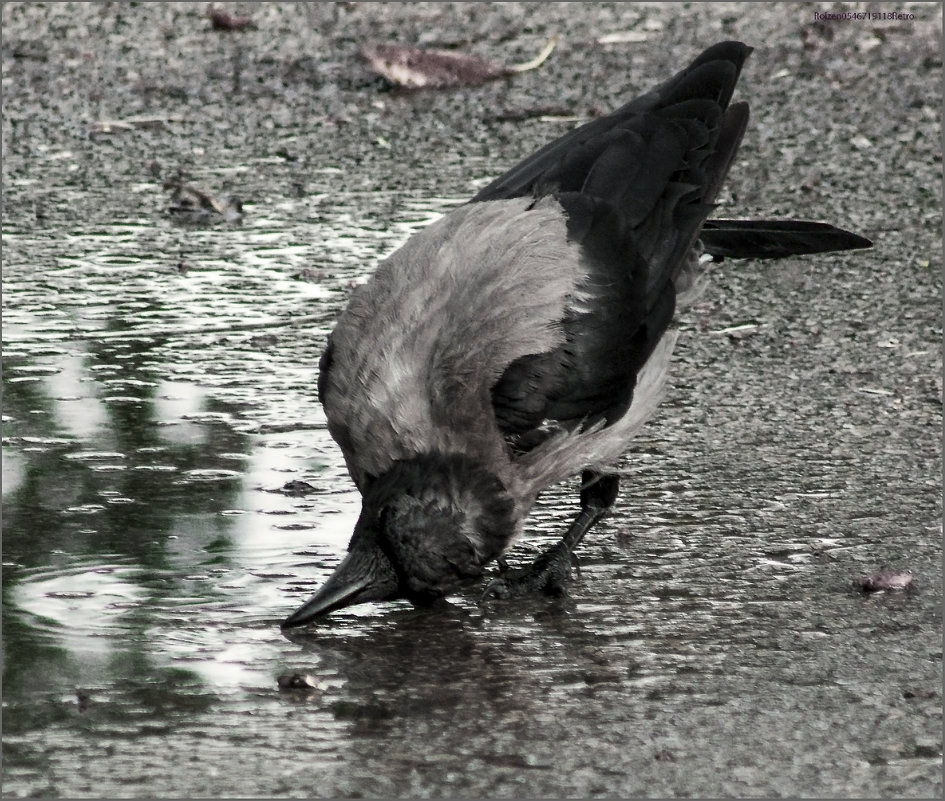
column 497, row 588
column 549, row 574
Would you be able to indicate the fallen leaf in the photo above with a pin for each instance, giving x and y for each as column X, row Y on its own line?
column 418, row 68
column 222, row 20
column 192, row 204
column 885, row 579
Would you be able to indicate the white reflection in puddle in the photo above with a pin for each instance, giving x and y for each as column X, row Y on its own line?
column 202, row 342
column 80, row 605
column 14, row 469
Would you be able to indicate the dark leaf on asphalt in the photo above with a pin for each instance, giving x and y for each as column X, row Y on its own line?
column 222, row 20
column 885, row 579
column 192, row 204
column 418, row 68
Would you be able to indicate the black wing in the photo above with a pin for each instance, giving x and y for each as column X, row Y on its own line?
column 636, row 187
column 569, row 159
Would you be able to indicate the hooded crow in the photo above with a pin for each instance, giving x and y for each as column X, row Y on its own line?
column 525, row 337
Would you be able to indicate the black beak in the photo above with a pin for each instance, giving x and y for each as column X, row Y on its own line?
column 365, row 574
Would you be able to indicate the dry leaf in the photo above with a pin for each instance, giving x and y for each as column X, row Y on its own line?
column 885, row 579
column 191, row 204
column 222, row 20
column 417, row 68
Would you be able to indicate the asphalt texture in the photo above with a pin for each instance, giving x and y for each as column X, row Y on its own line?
column 170, row 491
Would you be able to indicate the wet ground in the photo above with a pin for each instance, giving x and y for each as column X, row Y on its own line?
column 159, row 403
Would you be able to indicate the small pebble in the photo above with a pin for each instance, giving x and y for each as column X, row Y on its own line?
column 297, row 487
column 297, row 681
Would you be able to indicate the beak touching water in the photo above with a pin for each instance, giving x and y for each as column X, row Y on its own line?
column 365, row 574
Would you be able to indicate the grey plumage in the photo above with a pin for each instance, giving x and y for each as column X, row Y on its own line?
column 524, row 338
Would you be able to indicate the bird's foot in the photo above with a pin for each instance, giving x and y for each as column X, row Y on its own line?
column 549, row 574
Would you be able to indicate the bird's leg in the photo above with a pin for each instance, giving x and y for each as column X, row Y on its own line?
column 551, row 570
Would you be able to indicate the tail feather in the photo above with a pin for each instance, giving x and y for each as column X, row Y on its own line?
column 775, row 239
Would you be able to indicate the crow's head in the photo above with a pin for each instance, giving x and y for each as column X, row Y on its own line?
column 428, row 525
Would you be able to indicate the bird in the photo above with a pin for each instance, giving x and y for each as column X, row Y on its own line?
column 524, row 338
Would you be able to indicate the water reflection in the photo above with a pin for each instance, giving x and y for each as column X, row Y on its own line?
column 113, row 487
column 154, row 408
